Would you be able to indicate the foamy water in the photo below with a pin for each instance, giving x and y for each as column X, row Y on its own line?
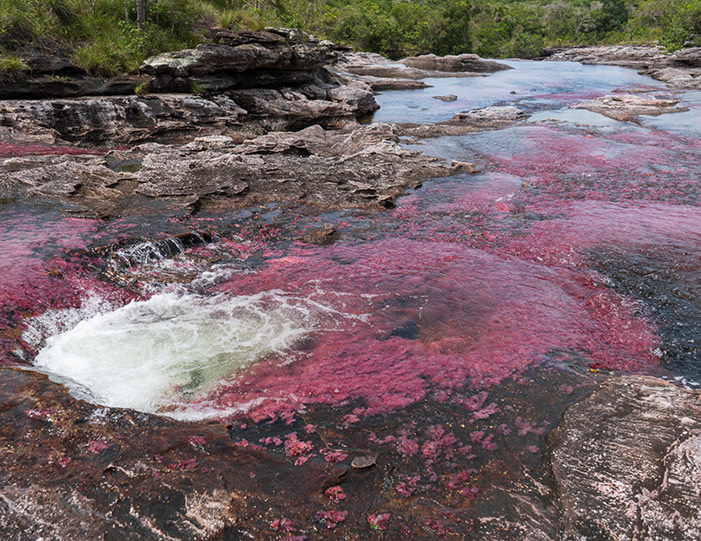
column 157, row 355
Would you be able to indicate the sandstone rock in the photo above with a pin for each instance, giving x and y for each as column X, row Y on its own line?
column 685, row 78
column 449, row 97
column 626, row 463
column 321, row 236
column 630, row 56
column 208, row 59
column 454, row 63
column 689, row 57
column 50, row 86
column 122, row 119
column 383, row 74
column 386, row 83
column 627, row 107
column 364, row 167
column 167, row 117
column 491, row 114
column 358, row 98
column 681, row 69
column 469, row 121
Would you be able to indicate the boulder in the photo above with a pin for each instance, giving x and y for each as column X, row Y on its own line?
column 454, row 63
column 689, row 58
column 209, row 59
column 628, row 107
column 491, row 114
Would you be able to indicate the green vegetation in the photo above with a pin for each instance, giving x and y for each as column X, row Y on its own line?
column 103, row 37
column 11, row 66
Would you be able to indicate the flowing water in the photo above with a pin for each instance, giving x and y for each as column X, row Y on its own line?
column 479, row 307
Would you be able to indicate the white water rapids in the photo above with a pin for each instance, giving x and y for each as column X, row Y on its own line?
column 158, row 354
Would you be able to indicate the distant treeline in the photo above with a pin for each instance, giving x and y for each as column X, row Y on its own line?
column 103, row 36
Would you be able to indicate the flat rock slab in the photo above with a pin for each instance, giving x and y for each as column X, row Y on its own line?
column 627, row 107
column 627, row 463
column 483, row 118
column 331, row 169
column 71, row 470
column 454, row 63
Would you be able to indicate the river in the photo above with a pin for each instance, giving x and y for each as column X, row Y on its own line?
column 450, row 332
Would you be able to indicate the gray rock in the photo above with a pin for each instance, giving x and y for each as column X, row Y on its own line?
column 361, row 168
column 491, row 114
column 681, row 69
column 627, row 107
column 449, row 97
column 454, row 63
column 627, row 463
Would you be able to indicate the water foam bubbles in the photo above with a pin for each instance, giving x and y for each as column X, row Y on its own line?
column 158, row 355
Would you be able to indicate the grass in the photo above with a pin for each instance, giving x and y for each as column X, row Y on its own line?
column 104, row 40
column 11, row 66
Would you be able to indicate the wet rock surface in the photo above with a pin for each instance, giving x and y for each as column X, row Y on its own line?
column 483, row 118
column 424, row 471
column 72, row 470
column 628, row 107
column 626, row 463
column 681, row 69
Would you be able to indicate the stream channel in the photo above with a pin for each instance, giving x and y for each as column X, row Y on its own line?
column 447, row 334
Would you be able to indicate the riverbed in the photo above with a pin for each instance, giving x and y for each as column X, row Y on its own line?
column 441, row 340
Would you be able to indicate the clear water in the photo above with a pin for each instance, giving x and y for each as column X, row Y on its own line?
column 530, row 85
column 554, row 257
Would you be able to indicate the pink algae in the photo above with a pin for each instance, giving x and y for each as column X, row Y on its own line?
column 296, row 447
column 331, row 518
column 379, row 521
column 479, row 318
column 335, row 494
column 29, row 149
column 97, row 447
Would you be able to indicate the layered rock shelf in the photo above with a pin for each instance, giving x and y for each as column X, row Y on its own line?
column 680, row 69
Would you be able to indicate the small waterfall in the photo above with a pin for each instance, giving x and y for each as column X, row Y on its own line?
column 153, row 251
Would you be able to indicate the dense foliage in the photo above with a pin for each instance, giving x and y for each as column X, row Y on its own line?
column 102, row 36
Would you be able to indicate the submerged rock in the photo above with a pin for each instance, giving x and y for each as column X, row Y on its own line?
column 73, row 470
column 449, row 97
column 321, row 236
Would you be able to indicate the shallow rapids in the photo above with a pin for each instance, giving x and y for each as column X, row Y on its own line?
column 157, row 355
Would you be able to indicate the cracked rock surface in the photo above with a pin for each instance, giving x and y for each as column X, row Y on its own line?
column 626, row 463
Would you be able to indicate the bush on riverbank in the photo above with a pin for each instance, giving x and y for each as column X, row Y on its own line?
column 102, row 36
